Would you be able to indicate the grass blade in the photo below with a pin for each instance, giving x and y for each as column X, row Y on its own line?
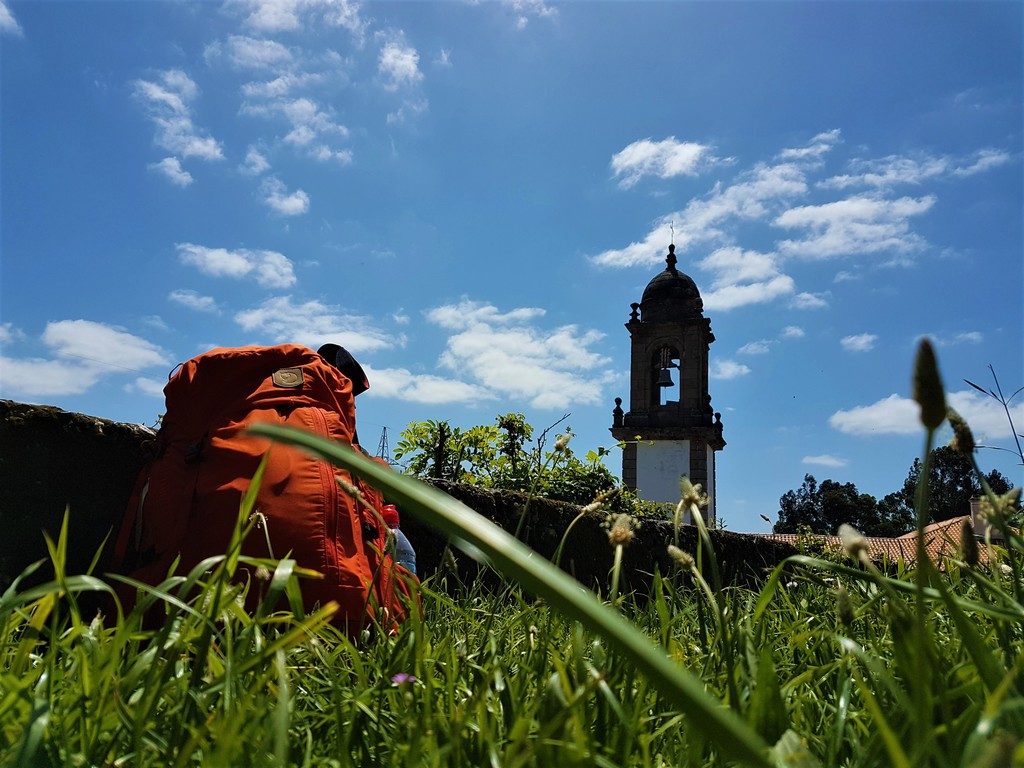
column 724, row 729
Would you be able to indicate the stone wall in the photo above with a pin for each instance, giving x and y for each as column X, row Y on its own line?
column 52, row 460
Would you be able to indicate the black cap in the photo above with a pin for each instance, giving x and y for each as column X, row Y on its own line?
column 342, row 359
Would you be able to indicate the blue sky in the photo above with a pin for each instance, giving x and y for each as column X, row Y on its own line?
column 469, row 196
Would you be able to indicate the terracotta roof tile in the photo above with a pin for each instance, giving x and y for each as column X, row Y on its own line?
column 942, row 540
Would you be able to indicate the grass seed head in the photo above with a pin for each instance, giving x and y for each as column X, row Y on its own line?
column 853, row 541
column 600, row 500
column 968, row 544
column 1006, row 505
column 621, row 531
column 844, row 606
column 963, row 438
column 683, row 559
column 927, row 386
column 693, row 495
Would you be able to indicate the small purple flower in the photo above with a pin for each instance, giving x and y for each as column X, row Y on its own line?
column 403, row 678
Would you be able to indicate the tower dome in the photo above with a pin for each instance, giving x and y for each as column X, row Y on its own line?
column 671, row 295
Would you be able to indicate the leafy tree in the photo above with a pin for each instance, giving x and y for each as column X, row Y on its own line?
column 894, row 515
column 438, row 450
column 952, row 483
column 823, row 508
column 505, row 456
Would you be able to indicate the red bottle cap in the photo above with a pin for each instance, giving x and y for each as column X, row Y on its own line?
column 390, row 514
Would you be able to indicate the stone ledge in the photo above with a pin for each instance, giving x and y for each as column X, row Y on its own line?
column 52, row 459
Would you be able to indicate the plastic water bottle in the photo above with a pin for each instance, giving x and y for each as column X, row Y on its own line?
column 405, row 555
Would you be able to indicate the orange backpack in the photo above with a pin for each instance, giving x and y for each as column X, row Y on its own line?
column 186, row 500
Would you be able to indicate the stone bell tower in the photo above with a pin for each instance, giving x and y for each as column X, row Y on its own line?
column 670, row 429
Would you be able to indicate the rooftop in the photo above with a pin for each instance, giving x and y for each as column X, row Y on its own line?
column 942, row 540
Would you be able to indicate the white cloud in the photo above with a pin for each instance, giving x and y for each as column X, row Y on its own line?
column 970, row 337
column 193, row 300
column 893, row 415
column 286, row 203
column 272, row 15
column 306, row 114
column 146, row 386
column 984, row 160
column 401, row 384
column 84, row 352
column 250, row 53
column 808, row 301
column 300, row 136
column 155, row 321
column 844, row 276
column 524, row 10
column 761, row 347
column 280, row 319
column 101, row 344
column 344, row 14
column 309, row 124
column 896, row 415
column 723, row 370
column 325, row 154
column 860, row 225
column 815, row 149
column 735, row 265
column 35, row 377
column 743, row 277
column 862, row 342
column 733, row 296
column 854, row 226
column 171, row 168
column 825, row 460
column 985, row 415
column 281, row 85
column 664, row 159
column 793, row 332
column 444, row 58
column 887, row 172
column 468, row 313
column 509, row 355
column 8, row 24
column 967, row 337
column 255, row 163
column 399, row 64
column 411, row 109
column 750, row 198
column 9, row 333
column 167, row 103
column 269, row 268
column 293, row 15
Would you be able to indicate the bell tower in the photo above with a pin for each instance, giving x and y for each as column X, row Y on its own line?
column 670, row 429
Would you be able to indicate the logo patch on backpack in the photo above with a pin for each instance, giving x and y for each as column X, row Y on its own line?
column 287, row 377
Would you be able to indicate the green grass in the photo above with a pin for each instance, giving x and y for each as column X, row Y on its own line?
column 828, row 664
column 504, row 679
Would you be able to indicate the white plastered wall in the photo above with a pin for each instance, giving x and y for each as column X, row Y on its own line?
column 659, row 465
